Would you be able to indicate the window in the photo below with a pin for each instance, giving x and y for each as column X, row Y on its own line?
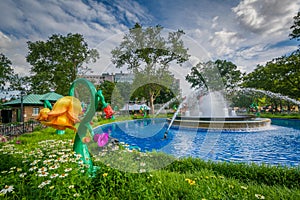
column 35, row 111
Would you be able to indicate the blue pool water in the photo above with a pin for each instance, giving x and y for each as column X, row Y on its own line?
column 276, row 145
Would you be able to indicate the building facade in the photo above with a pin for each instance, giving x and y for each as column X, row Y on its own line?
column 117, row 78
column 31, row 104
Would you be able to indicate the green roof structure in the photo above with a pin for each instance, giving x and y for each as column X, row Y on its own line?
column 35, row 99
column 51, row 96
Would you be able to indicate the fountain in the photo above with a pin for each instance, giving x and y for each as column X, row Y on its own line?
column 204, row 127
column 209, row 111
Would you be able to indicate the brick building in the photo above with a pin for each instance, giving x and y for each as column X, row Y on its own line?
column 32, row 104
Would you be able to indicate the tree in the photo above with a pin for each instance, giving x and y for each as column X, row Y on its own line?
column 117, row 101
column 6, row 71
column 241, row 99
column 296, row 28
column 20, row 83
column 148, row 55
column 125, row 89
column 215, row 76
column 143, row 86
column 281, row 75
column 57, row 62
column 167, row 94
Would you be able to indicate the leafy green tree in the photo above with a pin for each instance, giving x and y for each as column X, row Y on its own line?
column 57, row 62
column 215, row 76
column 296, row 28
column 125, row 89
column 241, row 99
column 164, row 96
column 148, row 55
column 281, row 75
column 143, row 85
column 21, row 83
column 107, row 88
column 117, row 101
column 6, row 71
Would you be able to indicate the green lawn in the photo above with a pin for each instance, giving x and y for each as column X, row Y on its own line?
column 42, row 165
column 281, row 115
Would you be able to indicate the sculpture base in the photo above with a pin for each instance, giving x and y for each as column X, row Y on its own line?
column 226, row 123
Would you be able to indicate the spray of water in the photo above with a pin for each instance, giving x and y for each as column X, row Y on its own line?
column 197, row 93
column 166, row 105
column 173, row 118
column 271, row 94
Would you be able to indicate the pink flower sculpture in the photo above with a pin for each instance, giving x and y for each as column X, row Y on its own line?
column 101, row 139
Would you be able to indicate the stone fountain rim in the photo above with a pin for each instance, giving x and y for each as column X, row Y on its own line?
column 217, row 118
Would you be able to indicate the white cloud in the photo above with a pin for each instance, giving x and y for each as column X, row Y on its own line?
column 225, row 42
column 243, row 32
column 214, row 22
column 5, row 41
column 266, row 17
column 259, row 54
column 33, row 20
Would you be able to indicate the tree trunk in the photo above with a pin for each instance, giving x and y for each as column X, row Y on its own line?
column 152, row 103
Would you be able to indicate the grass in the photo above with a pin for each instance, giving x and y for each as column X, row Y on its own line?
column 42, row 165
column 281, row 115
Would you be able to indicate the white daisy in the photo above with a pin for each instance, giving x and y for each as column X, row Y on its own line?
column 63, row 175
column 7, row 189
column 43, row 174
column 76, row 195
column 68, row 169
column 53, row 167
column 22, row 175
column 54, row 175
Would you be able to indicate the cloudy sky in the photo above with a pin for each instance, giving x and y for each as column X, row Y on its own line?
column 246, row 32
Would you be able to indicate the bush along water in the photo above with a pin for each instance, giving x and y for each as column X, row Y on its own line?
column 247, row 173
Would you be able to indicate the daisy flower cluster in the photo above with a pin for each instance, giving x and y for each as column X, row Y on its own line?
column 46, row 166
column 124, row 158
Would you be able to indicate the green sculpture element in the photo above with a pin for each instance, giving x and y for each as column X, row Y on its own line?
column 85, row 126
column 109, row 113
column 143, row 110
column 47, row 104
column 101, row 99
column 254, row 106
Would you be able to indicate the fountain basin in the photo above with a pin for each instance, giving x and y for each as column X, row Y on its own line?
column 239, row 122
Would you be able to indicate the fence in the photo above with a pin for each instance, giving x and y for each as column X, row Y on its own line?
column 12, row 130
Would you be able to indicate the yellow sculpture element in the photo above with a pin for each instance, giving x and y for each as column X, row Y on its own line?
column 43, row 115
column 63, row 115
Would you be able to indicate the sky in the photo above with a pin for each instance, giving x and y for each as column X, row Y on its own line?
column 245, row 32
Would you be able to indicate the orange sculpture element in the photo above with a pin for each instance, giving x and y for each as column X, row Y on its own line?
column 63, row 115
column 108, row 112
column 43, row 115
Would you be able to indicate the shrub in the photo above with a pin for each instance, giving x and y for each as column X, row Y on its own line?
column 259, row 174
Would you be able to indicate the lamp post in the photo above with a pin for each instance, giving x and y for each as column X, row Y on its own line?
column 22, row 109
